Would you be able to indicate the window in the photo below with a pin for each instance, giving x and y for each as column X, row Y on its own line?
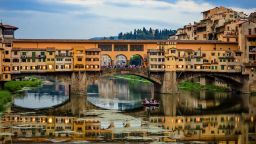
column 252, row 48
column 15, row 60
column 59, row 59
column 6, row 60
column 249, row 31
column 136, row 47
column 33, row 54
column 79, row 59
column 120, row 47
column 6, row 52
column 15, row 53
column 8, row 45
column 50, row 53
column 24, row 53
column 105, row 47
column 88, row 59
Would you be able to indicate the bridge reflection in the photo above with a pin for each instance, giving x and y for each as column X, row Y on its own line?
column 110, row 91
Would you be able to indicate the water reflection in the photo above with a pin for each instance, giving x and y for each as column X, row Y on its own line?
column 119, row 94
column 123, row 94
column 51, row 93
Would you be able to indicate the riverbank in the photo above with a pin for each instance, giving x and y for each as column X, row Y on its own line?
column 193, row 86
column 14, row 86
column 132, row 78
column 11, row 87
column 5, row 98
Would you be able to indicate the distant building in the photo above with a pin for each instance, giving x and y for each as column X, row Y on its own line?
column 211, row 27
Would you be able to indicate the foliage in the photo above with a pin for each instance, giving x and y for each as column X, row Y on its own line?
column 188, row 85
column 14, row 86
column 133, row 78
column 5, row 97
column 144, row 34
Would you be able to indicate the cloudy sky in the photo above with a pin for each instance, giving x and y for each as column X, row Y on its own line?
column 92, row 18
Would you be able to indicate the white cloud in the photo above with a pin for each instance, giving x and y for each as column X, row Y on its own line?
column 178, row 13
column 90, row 18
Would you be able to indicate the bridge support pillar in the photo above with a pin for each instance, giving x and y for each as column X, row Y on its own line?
column 169, row 84
column 202, row 81
column 78, row 92
column 245, row 85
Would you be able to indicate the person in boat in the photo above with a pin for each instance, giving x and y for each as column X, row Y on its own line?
column 146, row 101
column 152, row 101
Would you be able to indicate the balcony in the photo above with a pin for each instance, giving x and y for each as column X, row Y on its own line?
column 23, row 56
column 64, row 55
column 41, row 56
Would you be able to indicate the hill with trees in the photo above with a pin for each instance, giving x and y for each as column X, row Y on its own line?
column 144, row 34
column 141, row 34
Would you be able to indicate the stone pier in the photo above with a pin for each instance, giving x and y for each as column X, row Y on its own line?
column 245, row 85
column 78, row 92
column 169, row 84
column 202, row 81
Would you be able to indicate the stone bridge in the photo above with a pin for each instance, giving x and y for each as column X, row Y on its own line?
column 164, row 82
column 237, row 81
column 155, row 78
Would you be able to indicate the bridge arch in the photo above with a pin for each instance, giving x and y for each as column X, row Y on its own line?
column 136, row 60
column 141, row 72
column 121, row 60
column 233, row 80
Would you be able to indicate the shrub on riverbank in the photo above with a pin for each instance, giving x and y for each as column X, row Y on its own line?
column 14, row 86
column 188, row 85
column 134, row 78
column 5, row 97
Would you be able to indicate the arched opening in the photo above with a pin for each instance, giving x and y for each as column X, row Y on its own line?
column 136, row 60
column 121, row 60
column 106, row 60
column 121, row 91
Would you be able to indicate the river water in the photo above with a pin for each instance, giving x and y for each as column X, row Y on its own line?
column 117, row 93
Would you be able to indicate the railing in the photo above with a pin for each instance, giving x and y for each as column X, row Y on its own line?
column 135, row 70
column 124, row 69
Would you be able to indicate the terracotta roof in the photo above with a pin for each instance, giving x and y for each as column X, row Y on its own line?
column 250, row 36
column 199, row 42
column 230, row 36
column 93, row 49
column 155, row 50
column 121, row 41
column 5, row 26
column 28, row 49
column 85, row 41
column 189, row 50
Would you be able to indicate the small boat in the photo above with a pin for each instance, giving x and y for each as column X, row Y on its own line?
column 150, row 103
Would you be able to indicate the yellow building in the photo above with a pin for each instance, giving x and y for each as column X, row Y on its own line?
column 209, row 56
column 6, row 37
